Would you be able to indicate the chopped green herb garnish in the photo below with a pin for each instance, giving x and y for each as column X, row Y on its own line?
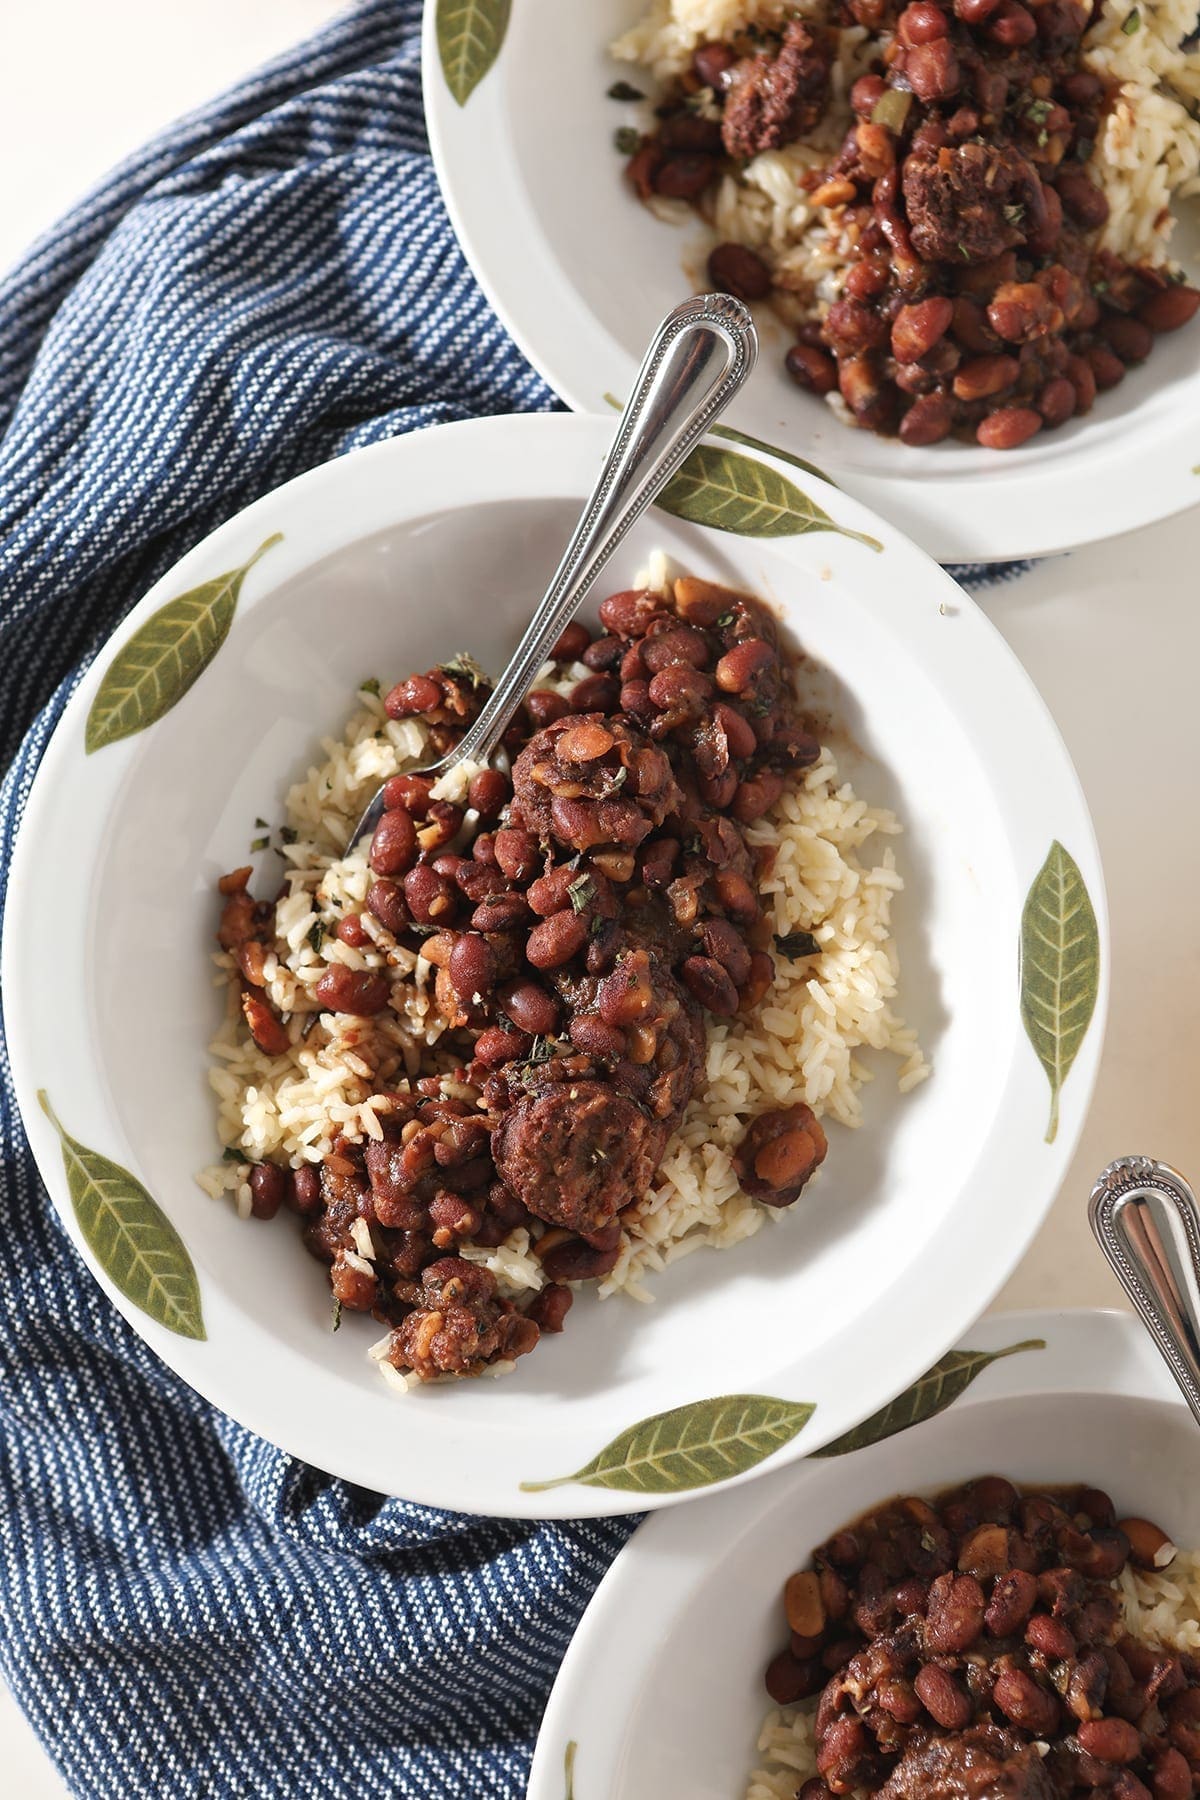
column 316, row 936
column 596, row 928
column 627, row 138
column 262, row 824
column 581, row 893
column 1132, row 22
column 1099, row 287
column 1083, row 150
column 287, row 835
column 231, row 1153
column 1014, row 214
column 464, row 665
column 1039, row 111
column 625, row 90
column 620, row 777
column 796, row 945
column 259, row 843
column 964, row 252
column 725, row 619
column 370, row 685
column 337, row 1314
column 1043, row 138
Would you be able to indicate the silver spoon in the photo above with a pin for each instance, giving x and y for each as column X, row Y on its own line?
column 700, row 356
column 1147, row 1223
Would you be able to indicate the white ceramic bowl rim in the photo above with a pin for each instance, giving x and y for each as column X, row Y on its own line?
column 419, row 1448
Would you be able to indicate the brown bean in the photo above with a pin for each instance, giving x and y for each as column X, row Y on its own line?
column 529, row 1007
column 266, row 1027
column 1079, row 374
column 477, row 880
column 585, row 742
column 866, row 94
column 590, row 1033
column 303, row 1191
column 394, row 844
column 443, row 822
column 784, row 1160
column 1082, row 200
column 971, row 327
column 629, row 612
column 1170, row 308
column 268, row 1184
column 595, row 693
column 358, row 991
column 736, row 896
column 1050, row 1636
column 756, row 796
column 1172, row 1777
column 1028, row 1706
column 943, row 1698
column 1012, row 25
column 856, row 327
column 556, row 940
column 685, row 177
column 572, row 643
column 419, row 694
column 1149, row 1545
column 985, row 1552
column 712, row 63
column 573, row 1260
column 709, row 983
column 626, row 996
column 544, row 706
column 811, row 368
column 495, row 1047
column 921, row 23
column 742, row 662
column 431, row 898
column 722, row 941
column 1129, row 338
column 928, row 420
column 1008, row 427
column 868, row 278
column 955, row 1618
column 488, row 794
column 984, row 376
column 472, row 967
column 933, row 70
column 604, row 654
column 681, row 689
column 352, row 931
column 634, row 699
column 504, row 911
column 917, row 328
column 733, row 269
column 1012, row 1600
column 549, row 1308
column 412, row 792
column 686, row 645
column 1127, row 1787
column 788, row 1680
column 1056, row 401
column 517, row 853
column 739, row 733
column 1107, row 368
column 1110, row 1740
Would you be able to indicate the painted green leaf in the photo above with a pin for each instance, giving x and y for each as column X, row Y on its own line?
column 569, row 1769
column 690, row 1446
column 937, row 1389
column 734, row 493
column 469, row 35
column 765, row 449
column 1060, row 969
column 130, row 1235
column 165, row 656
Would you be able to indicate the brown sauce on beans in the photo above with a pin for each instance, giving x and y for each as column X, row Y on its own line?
column 970, row 1647
column 607, row 905
column 977, row 302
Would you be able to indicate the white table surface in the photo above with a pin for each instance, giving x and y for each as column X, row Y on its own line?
column 1111, row 634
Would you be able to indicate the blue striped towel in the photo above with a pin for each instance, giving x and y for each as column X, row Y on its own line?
column 187, row 1611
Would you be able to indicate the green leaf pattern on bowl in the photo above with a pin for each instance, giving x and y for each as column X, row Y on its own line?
column 735, row 493
column 155, row 669
column 937, row 1389
column 469, row 36
column 1060, row 969
column 130, row 1235
column 691, row 1446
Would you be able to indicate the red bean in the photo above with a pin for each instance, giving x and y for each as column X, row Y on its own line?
column 1130, row 338
column 472, row 967
column 867, row 92
column 544, row 707
column 488, row 793
column 1172, row 1776
column 595, row 693
column 626, row 996
column 572, row 644
column 629, row 613
column 739, row 733
column 431, row 898
column 549, row 1308
column 1012, row 25
column 684, row 647
column 517, row 853
column 1082, row 200
column 733, row 269
column 556, row 940
column 573, row 1260
column 1079, row 374
column 590, row 1033
column 495, row 1046
column 680, row 688
column 409, row 791
column 811, row 368
column 268, row 1184
column 1170, row 308
column 1056, row 401
column 975, row 12
column 736, row 896
column 477, row 880
column 955, row 1618
column 1012, row 1600
column 1110, row 1740
column 635, row 700
column 928, row 420
column 710, row 984
column 303, row 1190
column 916, row 329
column 788, row 1679
column 1107, row 368
column 419, row 694
column 943, row 1698
column 742, row 662
column 394, row 845
column 712, row 63
column 352, row 931
column 971, row 327
column 1008, row 427
column 867, row 279
column 529, row 1007
column 724, row 942
column 604, row 654
column 443, row 822
column 685, row 177
column 921, row 23
column 504, row 911
column 933, row 70
column 757, row 796
column 1028, row 1706
column 856, row 327
column 361, row 992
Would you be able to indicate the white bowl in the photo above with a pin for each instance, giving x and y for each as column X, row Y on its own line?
column 661, row 1691
column 390, row 559
column 580, row 272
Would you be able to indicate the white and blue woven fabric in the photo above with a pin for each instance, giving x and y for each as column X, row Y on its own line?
column 186, row 1611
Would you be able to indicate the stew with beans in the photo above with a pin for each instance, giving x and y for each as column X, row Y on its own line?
column 608, row 904
column 976, row 301
column 971, row 1648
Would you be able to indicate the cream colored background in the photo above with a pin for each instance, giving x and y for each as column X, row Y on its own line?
column 1111, row 634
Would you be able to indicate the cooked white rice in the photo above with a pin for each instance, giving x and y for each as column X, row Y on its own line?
column 1148, row 157
column 1163, row 1609
column 834, row 875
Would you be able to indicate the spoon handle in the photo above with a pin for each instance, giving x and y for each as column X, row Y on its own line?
column 701, row 354
column 1146, row 1221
